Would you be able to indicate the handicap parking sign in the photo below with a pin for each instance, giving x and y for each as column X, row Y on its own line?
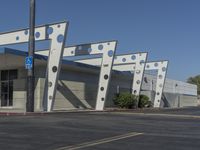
column 29, row 62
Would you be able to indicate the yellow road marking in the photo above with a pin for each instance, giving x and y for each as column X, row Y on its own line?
column 101, row 141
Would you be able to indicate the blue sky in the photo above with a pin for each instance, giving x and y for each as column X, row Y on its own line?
column 167, row 29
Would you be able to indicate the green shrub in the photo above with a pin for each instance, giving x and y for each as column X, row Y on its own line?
column 125, row 100
column 144, row 101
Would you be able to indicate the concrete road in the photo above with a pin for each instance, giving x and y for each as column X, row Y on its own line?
column 176, row 129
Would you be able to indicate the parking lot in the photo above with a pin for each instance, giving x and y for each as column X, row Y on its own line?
column 161, row 129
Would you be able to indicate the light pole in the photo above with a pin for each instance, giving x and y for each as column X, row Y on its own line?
column 30, row 72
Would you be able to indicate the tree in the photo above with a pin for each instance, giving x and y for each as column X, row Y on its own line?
column 195, row 80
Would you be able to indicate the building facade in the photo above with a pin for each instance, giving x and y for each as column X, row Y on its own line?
column 77, row 86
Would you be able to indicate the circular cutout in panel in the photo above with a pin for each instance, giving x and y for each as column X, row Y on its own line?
column 60, row 38
column 54, row 69
column 160, row 76
column 100, row 47
column 26, row 32
column 108, row 43
column 156, row 64
column 89, row 50
column 148, row 66
column 163, row 69
column 58, row 26
column 158, row 93
column 50, row 97
column 135, row 91
column 105, row 76
column 102, row 99
column 50, row 84
column 133, row 57
column 158, row 100
column 49, row 30
column 138, row 81
column 37, row 34
column 124, row 59
column 110, row 53
column 17, row 38
column 138, row 71
column 72, row 52
column 102, row 88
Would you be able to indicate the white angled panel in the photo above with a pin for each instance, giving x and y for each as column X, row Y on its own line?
column 134, row 61
column 54, row 32
column 161, row 66
column 107, row 49
column 105, row 74
column 137, row 64
column 130, row 58
column 87, row 49
column 22, row 36
column 54, row 61
column 82, row 49
column 162, row 70
column 138, row 73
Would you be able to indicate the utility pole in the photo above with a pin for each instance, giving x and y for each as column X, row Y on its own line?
column 31, row 49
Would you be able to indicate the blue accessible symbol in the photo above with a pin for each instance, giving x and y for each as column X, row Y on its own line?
column 29, row 62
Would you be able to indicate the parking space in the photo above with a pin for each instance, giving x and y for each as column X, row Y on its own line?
column 102, row 130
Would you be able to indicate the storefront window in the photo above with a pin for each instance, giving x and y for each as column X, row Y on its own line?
column 7, row 77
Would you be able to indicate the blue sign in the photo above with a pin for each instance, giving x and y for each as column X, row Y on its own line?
column 29, row 62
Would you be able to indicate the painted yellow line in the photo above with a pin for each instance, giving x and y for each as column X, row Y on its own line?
column 101, row 141
column 158, row 114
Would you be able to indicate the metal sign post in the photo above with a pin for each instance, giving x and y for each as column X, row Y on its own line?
column 30, row 61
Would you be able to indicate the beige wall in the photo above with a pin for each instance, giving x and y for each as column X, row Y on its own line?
column 78, row 90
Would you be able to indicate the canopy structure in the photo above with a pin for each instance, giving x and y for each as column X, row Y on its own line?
column 137, row 63
column 107, row 49
column 127, row 62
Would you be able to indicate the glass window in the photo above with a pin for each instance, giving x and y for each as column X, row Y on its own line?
column 4, row 75
column 7, row 77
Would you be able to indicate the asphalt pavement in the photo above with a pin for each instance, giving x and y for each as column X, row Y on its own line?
column 169, row 129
